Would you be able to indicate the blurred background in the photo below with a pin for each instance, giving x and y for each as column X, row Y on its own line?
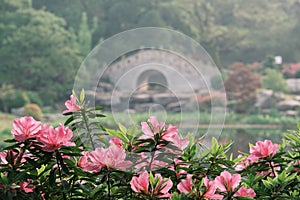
column 255, row 45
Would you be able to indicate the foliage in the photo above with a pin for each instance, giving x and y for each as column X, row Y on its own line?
column 33, row 110
column 34, row 98
column 12, row 98
column 37, row 52
column 241, row 86
column 297, row 74
column 160, row 164
column 229, row 30
column 274, row 80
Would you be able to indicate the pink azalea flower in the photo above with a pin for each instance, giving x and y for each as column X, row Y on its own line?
column 227, row 182
column 154, row 127
column 86, row 164
column 140, row 183
column 26, row 187
column 116, row 141
column 244, row 192
column 3, row 158
column 245, row 162
column 211, row 188
column 53, row 139
column 264, row 149
column 71, row 105
column 160, row 190
column 163, row 187
column 25, row 128
column 112, row 157
column 170, row 133
column 14, row 157
column 186, row 185
column 180, row 143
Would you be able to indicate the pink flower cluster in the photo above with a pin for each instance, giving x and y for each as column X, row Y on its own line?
column 153, row 129
column 223, row 184
column 159, row 187
column 51, row 139
column 170, row 134
column 71, row 105
column 265, row 149
column 112, row 157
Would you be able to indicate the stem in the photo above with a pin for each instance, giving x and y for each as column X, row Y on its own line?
column 151, row 160
column 85, row 119
column 272, row 168
column 108, row 184
column 60, row 175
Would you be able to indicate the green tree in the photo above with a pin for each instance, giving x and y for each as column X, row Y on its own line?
column 37, row 53
column 274, row 81
column 85, row 34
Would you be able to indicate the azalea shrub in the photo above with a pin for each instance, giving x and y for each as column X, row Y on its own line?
column 81, row 159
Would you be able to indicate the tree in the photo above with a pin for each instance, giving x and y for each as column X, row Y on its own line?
column 274, row 81
column 85, row 35
column 241, row 87
column 37, row 53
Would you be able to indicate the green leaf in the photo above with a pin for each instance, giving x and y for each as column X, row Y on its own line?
column 69, row 120
column 267, row 184
column 118, row 134
column 3, row 179
column 52, row 177
column 122, row 128
column 293, row 137
column 82, row 96
column 98, row 108
column 10, row 140
column 151, row 178
column 43, row 167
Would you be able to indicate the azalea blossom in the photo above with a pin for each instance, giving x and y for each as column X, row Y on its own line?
column 245, row 162
column 25, row 128
column 26, row 187
column 112, row 157
column 227, row 182
column 244, row 192
column 160, row 190
column 186, row 185
column 116, row 141
column 211, row 188
column 140, row 183
column 86, row 164
column 263, row 149
column 179, row 142
column 52, row 139
column 3, row 158
column 71, row 105
column 154, row 127
column 14, row 157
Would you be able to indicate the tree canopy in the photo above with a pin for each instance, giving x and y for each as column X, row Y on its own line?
column 37, row 53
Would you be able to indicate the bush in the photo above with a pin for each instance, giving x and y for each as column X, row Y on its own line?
column 34, row 98
column 13, row 99
column 297, row 74
column 33, row 110
column 43, row 162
